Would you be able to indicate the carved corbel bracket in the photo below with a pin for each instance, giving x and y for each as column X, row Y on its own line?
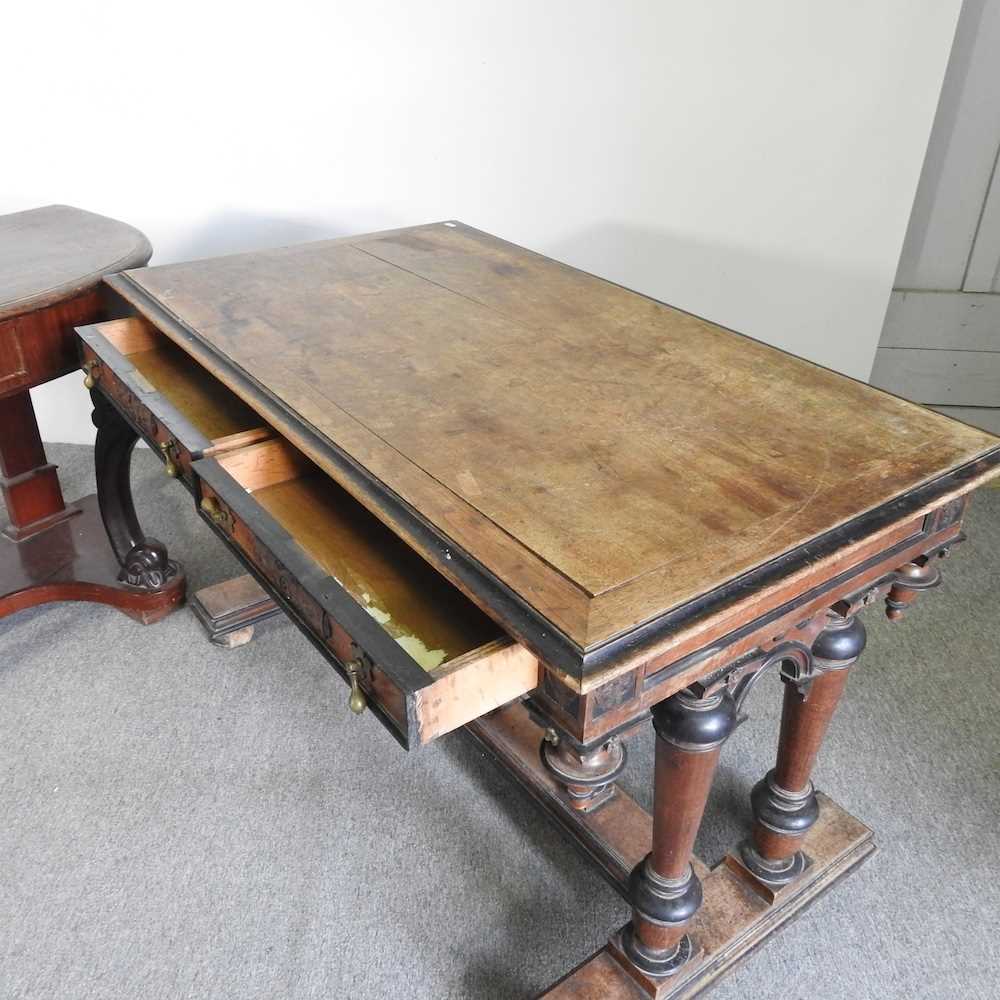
column 791, row 657
column 830, row 640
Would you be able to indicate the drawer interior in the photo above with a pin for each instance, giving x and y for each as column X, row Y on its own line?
column 431, row 619
column 202, row 399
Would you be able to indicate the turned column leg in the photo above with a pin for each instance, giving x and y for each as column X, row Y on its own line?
column 586, row 776
column 784, row 802
column 28, row 481
column 665, row 891
column 143, row 559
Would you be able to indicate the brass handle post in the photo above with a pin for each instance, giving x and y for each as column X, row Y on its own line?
column 211, row 507
column 90, row 369
column 170, row 466
column 357, row 702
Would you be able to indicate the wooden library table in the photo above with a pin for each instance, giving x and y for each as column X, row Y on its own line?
column 500, row 493
column 52, row 261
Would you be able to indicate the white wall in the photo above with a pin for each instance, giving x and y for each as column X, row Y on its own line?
column 751, row 162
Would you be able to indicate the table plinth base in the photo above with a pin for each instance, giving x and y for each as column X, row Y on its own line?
column 71, row 560
column 230, row 610
column 738, row 913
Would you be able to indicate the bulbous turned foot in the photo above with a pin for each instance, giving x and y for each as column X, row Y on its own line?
column 664, row 900
column 664, row 891
column 782, row 819
column 784, row 812
column 586, row 776
column 911, row 581
column 654, row 962
column 776, row 873
column 664, row 906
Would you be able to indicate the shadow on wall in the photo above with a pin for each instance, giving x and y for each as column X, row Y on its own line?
column 803, row 305
column 63, row 407
column 241, row 232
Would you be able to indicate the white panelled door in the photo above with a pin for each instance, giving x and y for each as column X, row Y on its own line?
column 941, row 340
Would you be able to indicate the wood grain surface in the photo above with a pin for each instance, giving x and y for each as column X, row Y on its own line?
column 216, row 412
column 50, row 254
column 604, row 455
column 428, row 617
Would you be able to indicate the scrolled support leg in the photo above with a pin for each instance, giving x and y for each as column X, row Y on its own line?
column 784, row 801
column 143, row 559
column 665, row 891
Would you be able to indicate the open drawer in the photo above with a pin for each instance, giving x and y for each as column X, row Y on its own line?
column 422, row 655
column 173, row 402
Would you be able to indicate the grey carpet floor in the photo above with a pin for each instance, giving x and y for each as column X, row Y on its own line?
column 184, row 821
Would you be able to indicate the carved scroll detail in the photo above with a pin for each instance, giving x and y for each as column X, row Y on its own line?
column 146, row 565
column 829, row 641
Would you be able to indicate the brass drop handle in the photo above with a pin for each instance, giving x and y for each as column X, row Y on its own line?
column 90, row 378
column 170, row 466
column 357, row 702
column 211, row 507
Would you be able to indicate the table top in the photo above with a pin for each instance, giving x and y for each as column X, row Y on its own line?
column 50, row 254
column 603, row 457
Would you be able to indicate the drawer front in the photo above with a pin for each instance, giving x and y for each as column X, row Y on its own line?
column 152, row 415
column 329, row 617
column 415, row 705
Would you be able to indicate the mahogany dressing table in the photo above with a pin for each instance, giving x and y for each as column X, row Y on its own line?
column 497, row 492
column 52, row 261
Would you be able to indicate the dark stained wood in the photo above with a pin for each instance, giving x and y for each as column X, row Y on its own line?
column 173, row 403
column 52, row 261
column 600, row 977
column 733, row 920
column 157, row 363
column 586, row 775
column 665, row 891
column 911, row 581
column 38, row 347
column 681, row 782
column 675, row 505
column 526, row 409
column 616, row 836
column 861, row 560
column 71, row 561
column 804, row 723
column 29, row 483
column 600, row 710
column 231, row 610
column 417, row 702
column 418, row 692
